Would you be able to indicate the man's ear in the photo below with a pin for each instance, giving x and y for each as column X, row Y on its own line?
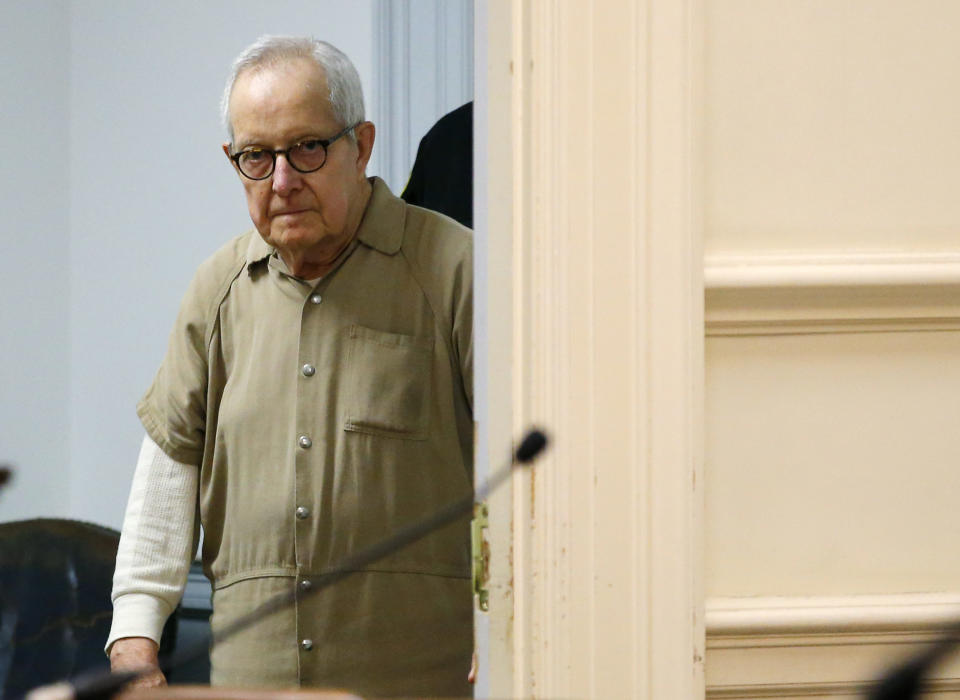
column 366, row 134
column 226, row 152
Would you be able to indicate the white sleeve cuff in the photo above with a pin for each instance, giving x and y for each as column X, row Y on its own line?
column 138, row 615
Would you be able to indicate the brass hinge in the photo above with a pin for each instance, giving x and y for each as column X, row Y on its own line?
column 481, row 555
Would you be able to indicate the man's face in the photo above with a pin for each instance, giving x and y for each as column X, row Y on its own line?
column 296, row 212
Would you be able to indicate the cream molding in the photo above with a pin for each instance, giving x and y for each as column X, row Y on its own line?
column 861, row 614
column 607, row 544
column 831, row 293
column 843, row 690
column 822, row 647
column 831, row 270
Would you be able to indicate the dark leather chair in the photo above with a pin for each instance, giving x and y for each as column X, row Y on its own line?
column 55, row 610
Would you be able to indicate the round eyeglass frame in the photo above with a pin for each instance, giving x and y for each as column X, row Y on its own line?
column 285, row 152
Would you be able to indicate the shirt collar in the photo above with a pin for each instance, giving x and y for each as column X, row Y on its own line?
column 381, row 226
column 258, row 249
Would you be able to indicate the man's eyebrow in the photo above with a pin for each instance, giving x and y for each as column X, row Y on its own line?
column 255, row 143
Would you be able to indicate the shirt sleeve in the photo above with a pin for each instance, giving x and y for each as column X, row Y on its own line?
column 173, row 410
column 157, row 543
column 463, row 324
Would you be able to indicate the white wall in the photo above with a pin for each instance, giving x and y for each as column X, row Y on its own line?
column 34, row 335
column 424, row 69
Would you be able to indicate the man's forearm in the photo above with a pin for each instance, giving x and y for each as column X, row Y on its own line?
column 156, row 545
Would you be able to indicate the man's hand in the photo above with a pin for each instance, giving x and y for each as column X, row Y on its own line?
column 138, row 654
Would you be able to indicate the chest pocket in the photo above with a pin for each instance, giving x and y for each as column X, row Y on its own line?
column 388, row 384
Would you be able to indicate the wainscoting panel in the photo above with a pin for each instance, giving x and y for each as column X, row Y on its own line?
column 824, row 647
column 832, row 463
column 831, row 169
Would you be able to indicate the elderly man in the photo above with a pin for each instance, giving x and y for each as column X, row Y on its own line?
column 315, row 396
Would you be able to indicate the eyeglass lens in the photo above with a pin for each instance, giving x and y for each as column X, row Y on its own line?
column 258, row 163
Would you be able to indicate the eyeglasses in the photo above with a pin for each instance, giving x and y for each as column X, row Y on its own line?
column 258, row 163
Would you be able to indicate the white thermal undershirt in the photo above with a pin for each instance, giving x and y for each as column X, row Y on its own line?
column 157, row 544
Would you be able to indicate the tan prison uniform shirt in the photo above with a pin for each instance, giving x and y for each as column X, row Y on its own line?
column 323, row 419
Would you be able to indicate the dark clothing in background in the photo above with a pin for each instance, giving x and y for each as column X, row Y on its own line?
column 442, row 175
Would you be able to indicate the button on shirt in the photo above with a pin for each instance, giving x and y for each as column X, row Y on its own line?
column 347, row 406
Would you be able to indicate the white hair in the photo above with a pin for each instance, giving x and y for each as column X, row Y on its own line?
column 343, row 81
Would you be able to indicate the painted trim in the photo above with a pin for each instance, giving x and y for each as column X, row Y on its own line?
column 838, row 293
column 493, row 324
column 608, row 326
column 846, row 690
column 837, row 270
column 859, row 614
column 773, row 647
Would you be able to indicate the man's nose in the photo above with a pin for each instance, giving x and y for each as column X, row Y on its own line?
column 285, row 177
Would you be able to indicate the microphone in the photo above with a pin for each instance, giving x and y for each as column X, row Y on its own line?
column 103, row 685
column 903, row 681
column 530, row 447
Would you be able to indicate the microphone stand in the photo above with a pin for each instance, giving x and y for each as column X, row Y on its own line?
column 104, row 685
column 903, row 682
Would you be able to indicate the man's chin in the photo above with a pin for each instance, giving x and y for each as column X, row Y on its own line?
column 294, row 239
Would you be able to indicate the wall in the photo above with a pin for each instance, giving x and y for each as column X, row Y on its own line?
column 35, row 285
column 424, row 69
column 831, row 164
